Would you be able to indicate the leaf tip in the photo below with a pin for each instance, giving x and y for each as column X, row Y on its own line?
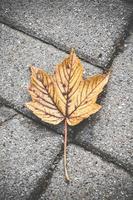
column 108, row 72
column 27, row 104
column 31, row 66
column 72, row 51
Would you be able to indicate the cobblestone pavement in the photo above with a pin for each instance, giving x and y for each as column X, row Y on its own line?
column 100, row 151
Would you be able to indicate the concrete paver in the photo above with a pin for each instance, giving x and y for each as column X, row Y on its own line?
column 110, row 131
column 28, row 151
column 91, row 179
column 16, row 53
column 94, row 28
column 6, row 113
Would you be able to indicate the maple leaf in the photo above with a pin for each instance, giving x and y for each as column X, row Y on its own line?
column 65, row 95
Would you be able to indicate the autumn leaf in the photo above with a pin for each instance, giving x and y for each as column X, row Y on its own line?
column 65, row 95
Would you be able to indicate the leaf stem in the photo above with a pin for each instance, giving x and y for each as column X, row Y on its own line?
column 65, row 151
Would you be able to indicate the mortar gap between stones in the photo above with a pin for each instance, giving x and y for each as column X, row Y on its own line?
column 43, row 183
column 8, row 119
column 11, row 106
column 47, row 41
column 119, row 44
column 104, row 156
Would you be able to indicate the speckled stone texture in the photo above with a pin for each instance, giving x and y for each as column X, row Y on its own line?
column 31, row 160
column 6, row 114
column 17, row 51
column 27, row 151
column 91, row 179
column 94, row 28
column 111, row 130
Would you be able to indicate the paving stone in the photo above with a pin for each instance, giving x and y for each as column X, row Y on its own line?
column 17, row 51
column 94, row 28
column 6, row 113
column 27, row 151
column 91, row 179
column 110, row 131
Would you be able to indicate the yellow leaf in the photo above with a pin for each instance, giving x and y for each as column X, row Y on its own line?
column 44, row 97
column 65, row 95
column 85, row 98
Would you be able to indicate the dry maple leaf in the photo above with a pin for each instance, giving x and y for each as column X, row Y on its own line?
column 65, row 95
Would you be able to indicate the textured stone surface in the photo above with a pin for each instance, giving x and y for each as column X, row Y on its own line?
column 6, row 113
column 27, row 151
column 91, row 179
column 17, row 51
column 111, row 131
column 94, row 28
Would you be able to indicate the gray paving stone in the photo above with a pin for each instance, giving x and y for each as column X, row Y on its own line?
column 27, row 152
column 94, row 28
column 111, row 131
column 6, row 113
column 17, row 51
column 91, row 179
